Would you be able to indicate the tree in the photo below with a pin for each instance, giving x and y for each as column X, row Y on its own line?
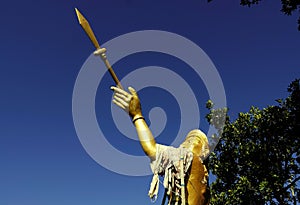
column 257, row 158
column 288, row 6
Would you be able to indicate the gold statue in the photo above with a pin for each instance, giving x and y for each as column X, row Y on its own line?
column 185, row 175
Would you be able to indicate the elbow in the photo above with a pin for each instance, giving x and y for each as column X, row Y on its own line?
column 149, row 149
column 150, row 153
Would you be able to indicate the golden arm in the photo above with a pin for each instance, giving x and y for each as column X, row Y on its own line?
column 131, row 104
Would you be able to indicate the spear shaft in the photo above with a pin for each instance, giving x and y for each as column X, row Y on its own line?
column 99, row 51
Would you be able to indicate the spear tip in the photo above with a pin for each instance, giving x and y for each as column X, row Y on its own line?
column 80, row 17
column 86, row 27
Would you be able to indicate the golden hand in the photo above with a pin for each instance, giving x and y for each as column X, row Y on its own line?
column 129, row 102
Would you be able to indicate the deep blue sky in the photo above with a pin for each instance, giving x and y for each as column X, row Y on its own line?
column 256, row 52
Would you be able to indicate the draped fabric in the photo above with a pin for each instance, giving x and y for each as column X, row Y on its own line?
column 167, row 163
column 184, row 174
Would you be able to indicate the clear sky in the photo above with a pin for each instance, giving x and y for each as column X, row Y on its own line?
column 255, row 51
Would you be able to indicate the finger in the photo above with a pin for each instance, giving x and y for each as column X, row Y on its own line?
column 116, row 89
column 113, row 88
column 119, row 104
column 119, row 90
column 121, row 101
column 126, row 98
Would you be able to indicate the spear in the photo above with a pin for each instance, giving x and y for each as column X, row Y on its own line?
column 99, row 51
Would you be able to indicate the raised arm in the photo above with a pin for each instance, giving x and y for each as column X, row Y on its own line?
column 131, row 104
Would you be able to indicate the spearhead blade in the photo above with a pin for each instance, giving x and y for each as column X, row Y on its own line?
column 87, row 28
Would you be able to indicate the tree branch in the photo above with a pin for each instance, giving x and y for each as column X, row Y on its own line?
column 292, row 183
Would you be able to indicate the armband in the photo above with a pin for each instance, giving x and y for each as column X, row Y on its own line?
column 135, row 119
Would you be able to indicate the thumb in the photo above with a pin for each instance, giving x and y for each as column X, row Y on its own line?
column 132, row 91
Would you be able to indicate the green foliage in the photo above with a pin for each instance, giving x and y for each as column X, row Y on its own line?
column 258, row 155
column 287, row 6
